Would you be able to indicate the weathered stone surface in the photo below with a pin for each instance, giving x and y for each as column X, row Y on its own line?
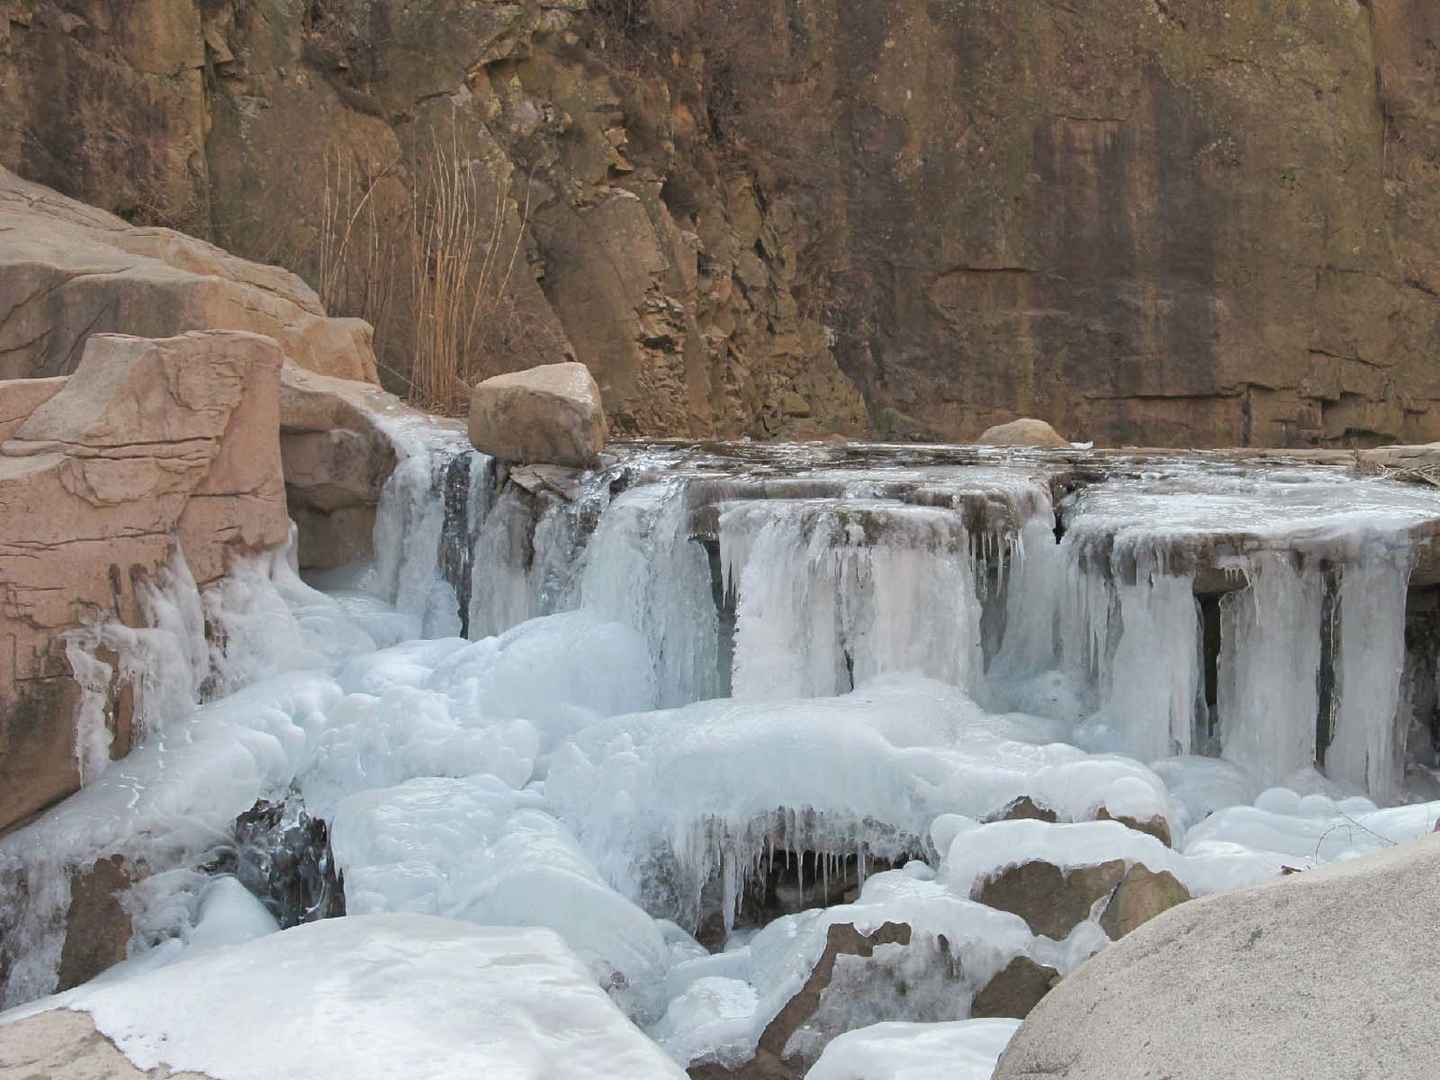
column 68, row 271
column 1141, row 896
column 1050, row 900
column 97, row 927
column 1327, row 974
column 21, row 397
column 152, row 443
column 1024, row 432
column 64, row 1045
column 1015, row 990
column 550, row 415
column 1162, row 224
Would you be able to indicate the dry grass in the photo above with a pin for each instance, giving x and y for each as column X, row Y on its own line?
column 461, row 269
column 435, row 283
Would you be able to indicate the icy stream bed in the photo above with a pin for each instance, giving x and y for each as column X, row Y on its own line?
column 621, row 706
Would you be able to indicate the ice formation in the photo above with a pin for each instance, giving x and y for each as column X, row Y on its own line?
column 614, row 705
column 403, row 995
column 961, row 1050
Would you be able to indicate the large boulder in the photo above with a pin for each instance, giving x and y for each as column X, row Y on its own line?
column 548, row 415
column 1024, row 432
column 151, row 446
column 68, row 270
column 1325, row 974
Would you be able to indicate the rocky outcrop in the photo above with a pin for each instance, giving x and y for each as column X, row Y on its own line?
column 337, row 448
column 547, row 415
column 68, row 271
column 1158, row 223
column 152, row 446
column 1325, row 974
column 1024, row 432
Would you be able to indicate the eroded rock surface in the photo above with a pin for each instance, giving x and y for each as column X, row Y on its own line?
column 150, row 444
column 1163, row 224
column 68, row 270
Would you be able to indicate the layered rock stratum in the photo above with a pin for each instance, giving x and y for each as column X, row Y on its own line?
column 1164, row 222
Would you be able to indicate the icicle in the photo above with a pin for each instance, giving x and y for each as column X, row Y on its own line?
column 1367, row 748
column 1269, row 658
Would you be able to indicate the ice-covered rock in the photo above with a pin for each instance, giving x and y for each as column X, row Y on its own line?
column 368, row 998
column 152, row 447
column 480, row 851
column 960, row 1050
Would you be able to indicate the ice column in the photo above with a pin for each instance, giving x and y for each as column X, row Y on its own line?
column 832, row 594
column 1269, row 662
column 1366, row 747
column 643, row 570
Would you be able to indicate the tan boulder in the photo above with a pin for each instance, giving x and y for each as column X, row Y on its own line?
column 1024, row 432
column 1050, row 900
column 550, row 415
column 1141, row 896
column 153, row 444
column 68, row 270
column 1325, row 975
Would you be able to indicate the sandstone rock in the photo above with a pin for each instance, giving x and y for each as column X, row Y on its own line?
column 1157, row 827
column 153, row 444
column 20, row 397
column 1138, row 898
column 1025, row 432
column 706, row 250
column 97, row 928
column 64, row 1045
column 1015, row 990
column 1050, row 900
column 1325, row 974
column 338, row 451
column 548, row 415
column 68, row 271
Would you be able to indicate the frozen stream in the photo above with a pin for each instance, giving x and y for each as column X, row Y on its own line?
column 708, row 691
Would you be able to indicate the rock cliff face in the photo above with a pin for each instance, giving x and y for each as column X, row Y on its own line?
column 1160, row 221
column 150, row 445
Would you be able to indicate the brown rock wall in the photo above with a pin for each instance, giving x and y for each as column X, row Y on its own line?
column 1162, row 223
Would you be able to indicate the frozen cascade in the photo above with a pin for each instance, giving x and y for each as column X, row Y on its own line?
column 643, row 570
column 1268, row 668
column 579, row 765
column 832, row 594
column 1367, row 747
